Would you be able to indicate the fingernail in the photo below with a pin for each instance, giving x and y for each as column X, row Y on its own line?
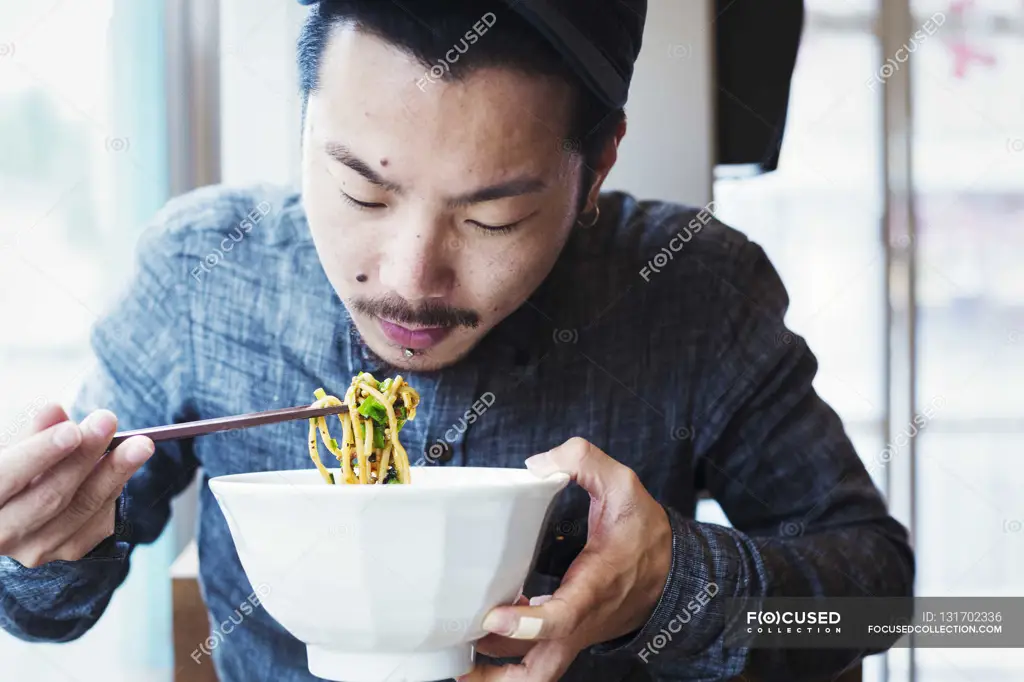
column 100, row 423
column 67, row 436
column 139, row 452
column 498, row 622
column 542, row 599
column 541, row 465
column 505, row 624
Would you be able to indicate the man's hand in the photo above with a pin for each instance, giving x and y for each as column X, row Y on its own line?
column 611, row 588
column 58, row 489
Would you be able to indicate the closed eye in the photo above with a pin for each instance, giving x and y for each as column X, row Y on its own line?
column 495, row 228
column 362, row 204
column 499, row 229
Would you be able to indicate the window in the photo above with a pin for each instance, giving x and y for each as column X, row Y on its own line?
column 968, row 148
column 82, row 169
column 819, row 217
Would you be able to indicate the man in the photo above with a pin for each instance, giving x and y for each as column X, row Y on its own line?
column 451, row 228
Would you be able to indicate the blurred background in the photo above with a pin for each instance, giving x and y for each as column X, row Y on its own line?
column 895, row 217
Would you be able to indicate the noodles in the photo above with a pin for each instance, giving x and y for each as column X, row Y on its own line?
column 370, row 453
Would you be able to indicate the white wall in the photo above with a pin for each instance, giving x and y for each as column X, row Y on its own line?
column 260, row 108
column 667, row 153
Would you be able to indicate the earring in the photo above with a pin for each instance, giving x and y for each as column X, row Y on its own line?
column 597, row 214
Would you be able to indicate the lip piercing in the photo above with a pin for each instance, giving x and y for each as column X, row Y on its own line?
column 409, row 352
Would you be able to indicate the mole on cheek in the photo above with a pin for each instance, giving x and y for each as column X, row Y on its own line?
column 383, row 162
column 361, row 278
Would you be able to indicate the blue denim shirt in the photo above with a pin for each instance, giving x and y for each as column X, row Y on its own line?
column 657, row 337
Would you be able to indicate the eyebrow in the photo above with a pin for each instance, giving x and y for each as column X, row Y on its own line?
column 504, row 190
column 344, row 155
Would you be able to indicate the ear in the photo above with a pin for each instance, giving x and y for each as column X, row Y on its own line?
column 608, row 157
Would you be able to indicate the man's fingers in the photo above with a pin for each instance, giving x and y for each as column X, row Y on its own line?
column 588, row 465
column 51, row 492
column 67, row 527
column 581, row 594
column 95, row 531
column 546, row 662
column 497, row 646
column 89, row 517
column 113, row 471
column 40, row 452
column 552, row 620
column 97, row 430
column 66, row 477
column 60, row 540
column 50, row 414
column 490, row 673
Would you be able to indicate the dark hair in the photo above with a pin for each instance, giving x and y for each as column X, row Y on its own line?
column 427, row 29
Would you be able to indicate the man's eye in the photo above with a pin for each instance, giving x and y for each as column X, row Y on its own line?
column 362, row 204
column 496, row 228
column 499, row 229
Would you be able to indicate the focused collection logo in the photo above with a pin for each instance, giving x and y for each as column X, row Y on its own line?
column 793, row 622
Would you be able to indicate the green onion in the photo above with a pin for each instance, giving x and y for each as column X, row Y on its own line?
column 374, row 410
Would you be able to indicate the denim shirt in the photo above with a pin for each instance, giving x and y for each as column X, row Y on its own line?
column 658, row 336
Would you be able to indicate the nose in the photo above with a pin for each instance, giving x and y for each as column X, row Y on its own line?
column 415, row 264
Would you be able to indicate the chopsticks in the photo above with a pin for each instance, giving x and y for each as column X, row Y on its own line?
column 241, row 421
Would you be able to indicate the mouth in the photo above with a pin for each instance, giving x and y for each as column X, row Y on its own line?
column 419, row 338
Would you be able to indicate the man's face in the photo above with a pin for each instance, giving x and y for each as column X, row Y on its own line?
column 451, row 201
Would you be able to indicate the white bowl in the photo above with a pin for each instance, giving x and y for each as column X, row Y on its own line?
column 387, row 582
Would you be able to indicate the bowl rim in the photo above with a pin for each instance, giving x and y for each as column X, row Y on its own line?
column 240, row 482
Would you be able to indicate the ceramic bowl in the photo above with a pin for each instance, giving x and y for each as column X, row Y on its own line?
column 387, row 583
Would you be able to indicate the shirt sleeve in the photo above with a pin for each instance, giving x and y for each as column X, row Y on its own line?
column 807, row 519
column 143, row 373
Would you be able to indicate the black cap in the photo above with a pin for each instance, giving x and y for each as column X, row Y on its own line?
column 600, row 39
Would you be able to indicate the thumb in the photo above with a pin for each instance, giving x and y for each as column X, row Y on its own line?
column 588, row 465
column 562, row 614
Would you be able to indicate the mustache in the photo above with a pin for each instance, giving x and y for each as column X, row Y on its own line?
column 395, row 309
